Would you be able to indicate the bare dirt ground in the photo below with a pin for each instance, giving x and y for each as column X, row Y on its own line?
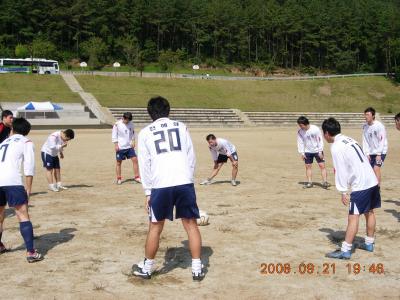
column 92, row 233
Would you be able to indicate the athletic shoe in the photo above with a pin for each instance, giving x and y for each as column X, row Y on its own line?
column 3, row 248
column 233, row 182
column 137, row 179
column 367, row 247
column 325, row 185
column 34, row 257
column 205, row 182
column 61, row 187
column 54, row 189
column 308, row 185
column 199, row 276
column 138, row 271
column 339, row 254
column 119, row 181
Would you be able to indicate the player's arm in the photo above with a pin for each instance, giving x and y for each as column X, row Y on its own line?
column 341, row 175
column 190, row 153
column 133, row 144
column 381, row 143
column 29, row 165
column 365, row 144
column 300, row 146
column 114, row 137
column 320, row 145
column 144, row 159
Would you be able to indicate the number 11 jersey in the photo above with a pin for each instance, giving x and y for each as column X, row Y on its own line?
column 166, row 155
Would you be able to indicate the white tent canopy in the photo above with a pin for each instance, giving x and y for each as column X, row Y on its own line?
column 39, row 107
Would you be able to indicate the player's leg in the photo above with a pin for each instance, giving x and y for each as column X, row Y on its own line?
column 57, row 173
column 309, row 183
column 194, row 238
column 370, row 218
column 235, row 168
column 2, row 211
column 133, row 157
column 118, row 171
column 153, row 239
column 377, row 170
column 50, row 179
column 324, row 174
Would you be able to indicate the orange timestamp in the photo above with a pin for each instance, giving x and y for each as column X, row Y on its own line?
column 319, row 269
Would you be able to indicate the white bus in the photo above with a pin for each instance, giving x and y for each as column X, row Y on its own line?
column 29, row 65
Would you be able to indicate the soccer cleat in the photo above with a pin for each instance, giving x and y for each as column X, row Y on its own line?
column 3, row 248
column 339, row 254
column 137, row 179
column 119, row 181
column 308, row 185
column 61, row 187
column 367, row 247
column 137, row 270
column 53, row 188
column 233, row 182
column 205, row 182
column 199, row 276
column 34, row 257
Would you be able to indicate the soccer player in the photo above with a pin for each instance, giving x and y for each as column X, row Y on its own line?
column 54, row 146
column 353, row 171
column 13, row 151
column 5, row 125
column 222, row 150
column 375, row 143
column 123, row 137
column 166, row 163
column 397, row 121
column 311, row 145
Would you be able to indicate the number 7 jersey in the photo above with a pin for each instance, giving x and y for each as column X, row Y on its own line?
column 352, row 168
column 166, row 155
column 13, row 151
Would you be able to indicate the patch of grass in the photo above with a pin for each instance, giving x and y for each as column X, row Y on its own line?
column 335, row 95
column 32, row 87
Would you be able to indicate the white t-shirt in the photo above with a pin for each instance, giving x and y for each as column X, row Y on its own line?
column 374, row 139
column 223, row 147
column 166, row 155
column 310, row 141
column 14, row 151
column 53, row 144
column 123, row 134
column 352, row 168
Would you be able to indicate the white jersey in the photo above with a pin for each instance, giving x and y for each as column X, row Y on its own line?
column 123, row 134
column 310, row 141
column 352, row 167
column 53, row 144
column 13, row 151
column 223, row 147
column 166, row 155
column 374, row 139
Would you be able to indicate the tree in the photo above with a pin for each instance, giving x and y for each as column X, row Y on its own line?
column 96, row 50
column 22, row 51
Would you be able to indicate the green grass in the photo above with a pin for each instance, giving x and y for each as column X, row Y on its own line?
column 336, row 95
column 32, row 87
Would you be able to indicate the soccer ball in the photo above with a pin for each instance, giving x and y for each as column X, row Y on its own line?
column 203, row 220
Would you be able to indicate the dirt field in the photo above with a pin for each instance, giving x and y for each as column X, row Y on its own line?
column 92, row 233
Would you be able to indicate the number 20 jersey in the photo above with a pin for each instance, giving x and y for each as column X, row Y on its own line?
column 352, row 168
column 13, row 151
column 166, row 155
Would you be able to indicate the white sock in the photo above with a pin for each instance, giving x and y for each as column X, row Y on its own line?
column 369, row 240
column 346, row 247
column 196, row 266
column 148, row 265
column 52, row 186
column 59, row 184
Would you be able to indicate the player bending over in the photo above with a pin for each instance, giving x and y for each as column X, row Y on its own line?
column 311, row 145
column 123, row 137
column 353, row 171
column 13, row 151
column 375, row 143
column 54, row 146
column 222, row 150
column 166, row 163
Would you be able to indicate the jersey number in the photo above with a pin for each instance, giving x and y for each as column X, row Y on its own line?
column 174, row 144
column 358, row 153
column 5, row 146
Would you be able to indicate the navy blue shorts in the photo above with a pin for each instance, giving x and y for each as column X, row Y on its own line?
column 362, row 202
column 50, row 162
column 224, row 158
column 310, row 158
column 14, row 195
column 373, row 160
column 125, row 154
column 163, row 200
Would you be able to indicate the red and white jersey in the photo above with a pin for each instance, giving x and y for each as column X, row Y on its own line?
column 166, row 155
column 123, row 134
column 352, row 168
column 223, row 147
column 14, row 151
column 374, row 139
column 310, row 141
column 53, row 144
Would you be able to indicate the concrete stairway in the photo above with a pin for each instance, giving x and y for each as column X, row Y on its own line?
column 190, row 116
column 387, row 120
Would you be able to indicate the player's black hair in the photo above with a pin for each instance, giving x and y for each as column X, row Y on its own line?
column 127, row 115
column 371, row 110
column 69, row 133
column 210, row 137
column 21, row 126
column 331, row 126
column 397, row 117
column 158, row 107
column 303, row 120
column 6, row 113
